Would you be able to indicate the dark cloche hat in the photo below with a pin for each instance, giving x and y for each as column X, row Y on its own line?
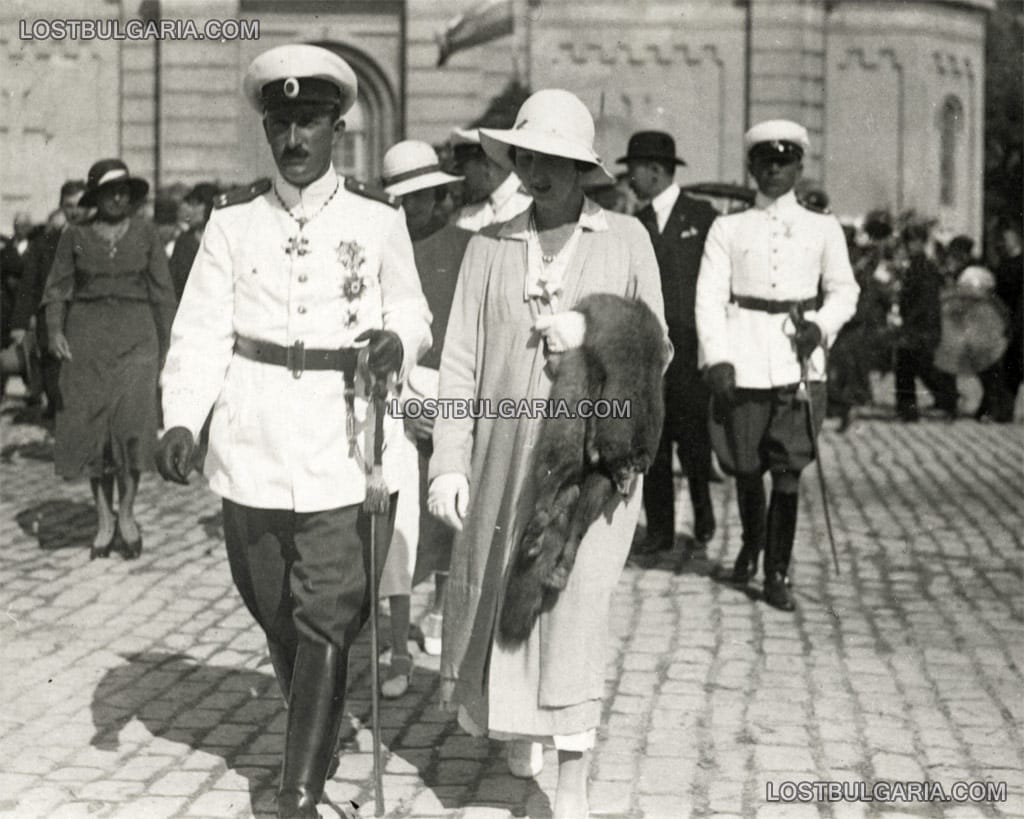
column 651, row 145
column 107, row 172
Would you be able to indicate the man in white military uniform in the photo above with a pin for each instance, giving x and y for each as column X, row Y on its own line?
column 759, row 266
column 291, row 277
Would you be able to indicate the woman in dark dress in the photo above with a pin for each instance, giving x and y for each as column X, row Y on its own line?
column 109, row 305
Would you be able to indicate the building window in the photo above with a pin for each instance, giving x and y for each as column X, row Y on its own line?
column 350, row 151
column 951, row 123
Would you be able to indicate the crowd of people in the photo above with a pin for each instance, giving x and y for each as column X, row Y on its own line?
column 268, row 314
column 929, row 310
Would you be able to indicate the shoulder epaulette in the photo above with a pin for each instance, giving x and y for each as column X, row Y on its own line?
column 246, row 193
column 362, row 189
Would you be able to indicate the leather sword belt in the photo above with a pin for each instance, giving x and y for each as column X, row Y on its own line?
column 298, row 358
column 772, row 306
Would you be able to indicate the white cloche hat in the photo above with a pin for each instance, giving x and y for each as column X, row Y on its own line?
column 551, row 121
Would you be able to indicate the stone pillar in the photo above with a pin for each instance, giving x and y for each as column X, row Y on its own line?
column 787, row 68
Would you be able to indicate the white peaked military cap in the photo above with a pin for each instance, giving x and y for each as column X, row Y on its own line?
column 412, row 165
column 551, row 121
column 294, row 74
column 777, row 136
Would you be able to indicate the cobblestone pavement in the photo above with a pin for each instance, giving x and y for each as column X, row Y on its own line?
column 142, row 689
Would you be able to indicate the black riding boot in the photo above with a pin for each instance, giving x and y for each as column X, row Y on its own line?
column 315, row 709
column 781, row 532
column 751, row 501
column 282, row 662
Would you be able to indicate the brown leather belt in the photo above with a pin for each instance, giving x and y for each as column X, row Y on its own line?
column 298, row 359
column 771, row 306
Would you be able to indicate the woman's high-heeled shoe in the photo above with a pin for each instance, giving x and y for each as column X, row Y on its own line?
column 129, row 549
column 104, row 550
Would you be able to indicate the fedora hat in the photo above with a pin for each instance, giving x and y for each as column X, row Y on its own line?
column 551, row 121
column 646, row 145
column 412, row 165
column 107, row 172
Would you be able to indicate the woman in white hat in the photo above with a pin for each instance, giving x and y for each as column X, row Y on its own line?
column 513, row 305
column 421, row 545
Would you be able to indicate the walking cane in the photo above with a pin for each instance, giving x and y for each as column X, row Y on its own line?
column 803, row 394
column 376, row 503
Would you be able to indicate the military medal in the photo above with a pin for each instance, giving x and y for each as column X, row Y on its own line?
column 299, row 245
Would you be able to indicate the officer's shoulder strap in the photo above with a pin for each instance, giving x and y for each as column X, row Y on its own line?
column 362, row 189
column 246, row 193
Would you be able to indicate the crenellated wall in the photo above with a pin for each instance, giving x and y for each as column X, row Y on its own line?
column 891, row 92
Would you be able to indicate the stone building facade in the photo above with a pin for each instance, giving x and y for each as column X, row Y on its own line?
column 890, row 90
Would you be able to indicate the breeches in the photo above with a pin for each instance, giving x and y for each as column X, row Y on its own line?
column 304, row 575
column 767, row 430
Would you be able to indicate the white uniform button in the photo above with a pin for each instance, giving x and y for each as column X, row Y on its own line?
column 303, row 277
column 302, row 310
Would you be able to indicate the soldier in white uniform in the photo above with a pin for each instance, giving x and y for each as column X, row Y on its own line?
column 293, row 275
column 757, row 266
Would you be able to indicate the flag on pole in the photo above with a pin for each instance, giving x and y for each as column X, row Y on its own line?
column 487, row 20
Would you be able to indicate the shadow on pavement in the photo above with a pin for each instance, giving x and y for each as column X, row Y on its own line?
column 33, row 450
column 59, row 523
column 218, row 710
column 685, row 557
column 225, row 711
column 461, row 771
column 213, row 526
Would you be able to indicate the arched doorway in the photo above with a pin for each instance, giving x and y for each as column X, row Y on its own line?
column 372, row 125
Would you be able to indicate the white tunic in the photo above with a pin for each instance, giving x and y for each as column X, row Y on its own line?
column 278, row 441
column 776, row 250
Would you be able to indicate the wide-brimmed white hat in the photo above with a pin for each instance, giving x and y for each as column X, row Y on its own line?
column 412, row 165
column 551, row 121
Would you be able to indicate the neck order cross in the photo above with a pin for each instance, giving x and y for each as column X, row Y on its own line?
column 299, row 245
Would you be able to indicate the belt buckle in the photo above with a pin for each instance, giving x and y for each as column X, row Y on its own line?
column 296, row 359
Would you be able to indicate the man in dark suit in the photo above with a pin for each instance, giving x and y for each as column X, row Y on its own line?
column 29, row 315
column 678, row 225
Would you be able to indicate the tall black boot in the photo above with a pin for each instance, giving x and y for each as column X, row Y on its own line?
column 751, row 501
column 781, row 532
column 281, row 659
column 315, row 709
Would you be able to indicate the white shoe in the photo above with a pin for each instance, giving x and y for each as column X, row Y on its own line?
column 432, row 627
column 398, row 682
column 525, row 759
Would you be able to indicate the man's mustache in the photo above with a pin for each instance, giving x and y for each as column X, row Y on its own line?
column 295, row 154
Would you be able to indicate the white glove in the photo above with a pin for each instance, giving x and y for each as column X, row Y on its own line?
column 448, row 498
column 562, row 331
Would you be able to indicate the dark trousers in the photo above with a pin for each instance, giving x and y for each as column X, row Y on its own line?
column 305, row 576
column 914, row 363
column 686, row 425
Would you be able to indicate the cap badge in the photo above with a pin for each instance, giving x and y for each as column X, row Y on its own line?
column 291, row 88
